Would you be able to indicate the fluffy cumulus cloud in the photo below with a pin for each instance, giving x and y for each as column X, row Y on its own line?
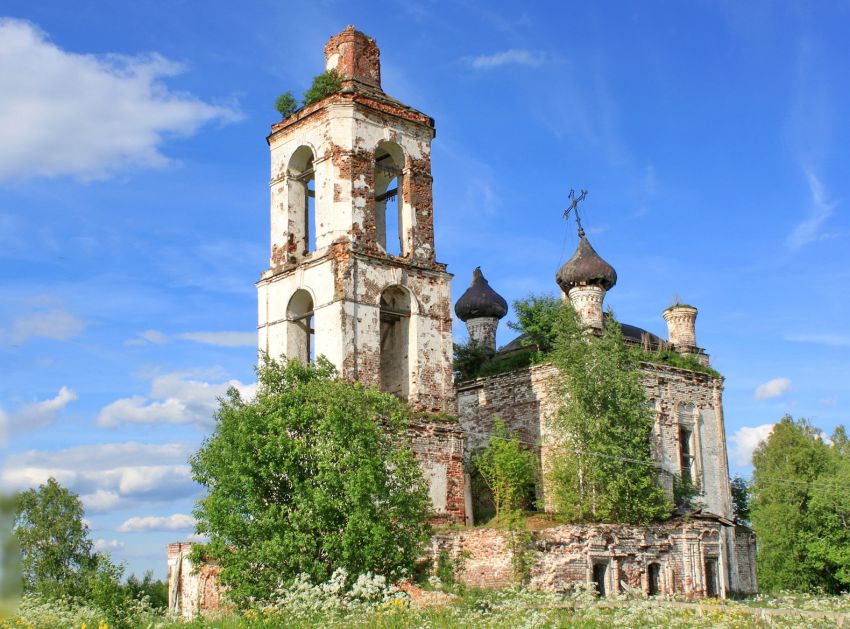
column 746, row 440
column 55, row 324
column 108, row 476
column 110, row 111
column 174, row 522
column 514, row 56
column 773, row 388
column 174, row 398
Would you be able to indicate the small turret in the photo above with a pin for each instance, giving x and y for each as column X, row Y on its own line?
column 585, row 279
column 681, row 327
column 480, row 307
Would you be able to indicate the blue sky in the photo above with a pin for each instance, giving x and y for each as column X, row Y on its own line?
column 134, row 203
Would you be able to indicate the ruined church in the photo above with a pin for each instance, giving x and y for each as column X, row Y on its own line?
column 354, row 276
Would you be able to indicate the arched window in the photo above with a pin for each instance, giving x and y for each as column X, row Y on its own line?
column 391, row 221
column 395, row 341
column 302, row 200
column 687, row 443
column 300, row 333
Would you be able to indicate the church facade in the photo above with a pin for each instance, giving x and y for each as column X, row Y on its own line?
column 353, row 276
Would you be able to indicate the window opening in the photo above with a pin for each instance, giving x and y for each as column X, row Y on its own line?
column 302, row 200
column 388, row 203
column 301, row 332
column 687, row 462
column 395, row 340
column 310, row 216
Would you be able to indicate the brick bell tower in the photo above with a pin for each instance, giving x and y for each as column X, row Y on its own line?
column 352, row 274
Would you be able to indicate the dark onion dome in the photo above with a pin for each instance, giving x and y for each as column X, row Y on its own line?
column 480, row 300
column 586, row 268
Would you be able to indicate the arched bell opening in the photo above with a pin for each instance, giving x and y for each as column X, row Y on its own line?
column 302, row 200
column 395, row 341
column 392, row 222
column 300, row 331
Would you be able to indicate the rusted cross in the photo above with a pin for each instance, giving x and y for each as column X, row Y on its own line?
column 574, row 201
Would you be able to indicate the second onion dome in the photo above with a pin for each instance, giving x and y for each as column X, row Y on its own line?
column 480, row 300
column 586, row 268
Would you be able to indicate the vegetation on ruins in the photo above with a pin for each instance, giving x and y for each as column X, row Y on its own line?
column 664, row 355
column 508, row 468
column 800, row 508
column 537, row 319
column 603, row 470
column 323, row 85
column 312, row 475
column 60, row 568
column 473, row 360
column 286, row 104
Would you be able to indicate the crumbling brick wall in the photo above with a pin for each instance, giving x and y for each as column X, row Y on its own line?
column 563, row 556
column 191, row 591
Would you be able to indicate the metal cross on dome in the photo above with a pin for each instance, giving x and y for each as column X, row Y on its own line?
column 574, row 201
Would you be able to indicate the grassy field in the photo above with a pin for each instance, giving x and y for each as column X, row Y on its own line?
column 311, row 606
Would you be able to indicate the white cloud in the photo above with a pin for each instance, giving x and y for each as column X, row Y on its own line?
column 111, row 111
column 174, row 398
column 773, row 388
column 516, row 56
column 222, row 339
column 833, row 340
column 108, row 476
column 175, row 522
column 101, row 544
column 57, row 325
column 746, row 440
column 148, row 336
column 809, row 230
column 101, row 501
column 36, row 415
column 828, row 401
column 198, row 538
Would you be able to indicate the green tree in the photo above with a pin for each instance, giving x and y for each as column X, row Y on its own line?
column 314, row 474
column 603, row 469
column 323, row 86
column 154, row 589
column 56, row 553
column 792, row 501
column 741, row 499
column 508, row 468
column 286, row 104
column 537, row 319
column 469, row 357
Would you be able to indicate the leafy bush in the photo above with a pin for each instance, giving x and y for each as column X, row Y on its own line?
column 286, row 104
column 314, row 474
column 323, row 86
column 508, row 468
